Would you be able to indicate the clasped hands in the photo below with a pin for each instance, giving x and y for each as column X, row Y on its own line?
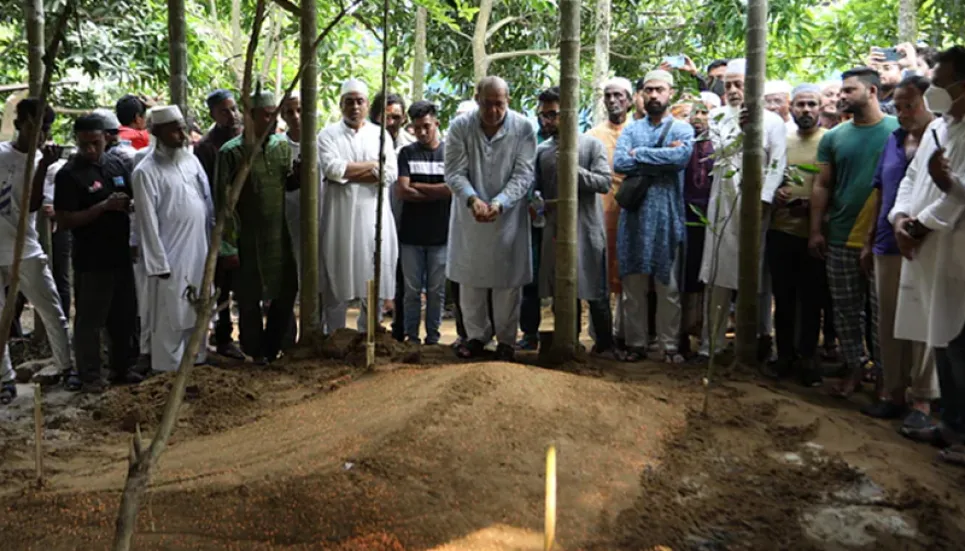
column 485, row 212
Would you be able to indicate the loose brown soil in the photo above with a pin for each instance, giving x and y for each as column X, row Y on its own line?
column 311, row 454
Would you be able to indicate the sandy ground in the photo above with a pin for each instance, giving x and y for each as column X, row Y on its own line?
column 319, row 454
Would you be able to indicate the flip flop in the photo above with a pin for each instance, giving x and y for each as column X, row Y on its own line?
column 954, row 455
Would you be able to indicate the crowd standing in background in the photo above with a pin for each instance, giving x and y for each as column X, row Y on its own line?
column 862, row 231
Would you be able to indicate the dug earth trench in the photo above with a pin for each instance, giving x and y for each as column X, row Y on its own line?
column 439, row 456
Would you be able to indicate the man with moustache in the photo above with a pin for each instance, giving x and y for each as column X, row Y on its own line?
column 174, row 216
column 797, row 276
column 650, row 236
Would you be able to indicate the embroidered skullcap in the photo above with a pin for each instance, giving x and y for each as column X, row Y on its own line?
column 621, row 83
column 777, row 87
column 166, row 114
column 806, row 88
column 659, row 75
column 354, row 85
column 218, row 96
column 736, row 67
column 710, row 99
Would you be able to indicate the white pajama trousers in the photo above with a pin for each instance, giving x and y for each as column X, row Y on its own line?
column 475, row 313
column 168, row 346
column 37, row 285
column 141, row 285
column 636, row 309
column 717, row 299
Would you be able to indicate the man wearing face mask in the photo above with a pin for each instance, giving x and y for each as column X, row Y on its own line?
column 721, row 248
column 652, row 233
column 348, row 159
column 489, row 167
column 256, row 236
column 930, row 229
column 796, row 275
column 174, row 216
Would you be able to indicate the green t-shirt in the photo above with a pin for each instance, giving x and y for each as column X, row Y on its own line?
column 853, row 151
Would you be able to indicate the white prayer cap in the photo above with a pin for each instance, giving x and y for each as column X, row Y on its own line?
column 710, row 99
column 465, row 107
column 777, row 87
column 166, row 114
column 354, row 85
column 736, row 67
column 621, row 83
column 806, row 88
column 108, row 117
column 659, row 75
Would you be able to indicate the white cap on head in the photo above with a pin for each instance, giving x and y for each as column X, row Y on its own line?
column 621, row 83
column 166, row 114
column 736, row 67
column 659, row 75
column 354, row 85
column 777, row 87
column 710, row 99
column 465, row 107
column 109, row 118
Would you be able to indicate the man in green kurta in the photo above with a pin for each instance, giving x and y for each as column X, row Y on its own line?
column 256, row 235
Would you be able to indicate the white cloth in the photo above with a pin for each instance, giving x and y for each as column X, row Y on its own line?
column 474, row 303
column 349, row 213
column 931, row 298
column 725, row 201
column 174, row 221
column 49, row 184
column 12, row 165
column 498, row 254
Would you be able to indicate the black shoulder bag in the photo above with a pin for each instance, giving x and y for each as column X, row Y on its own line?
column 634, row 188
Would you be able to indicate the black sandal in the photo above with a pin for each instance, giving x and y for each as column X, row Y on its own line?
column 469, row 350
column 634, row 355
column 73, row 382
column 8, row 391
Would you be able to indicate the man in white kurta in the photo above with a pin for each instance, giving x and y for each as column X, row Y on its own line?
column 490, row 155
column 348, row 160
column 174, row 207
column 719, row 265
column 931, row 298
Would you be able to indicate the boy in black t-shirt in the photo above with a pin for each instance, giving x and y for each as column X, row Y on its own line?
column 424, row 223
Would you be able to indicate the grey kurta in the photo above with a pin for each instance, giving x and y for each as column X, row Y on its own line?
column 594, row 181
column 498, row 254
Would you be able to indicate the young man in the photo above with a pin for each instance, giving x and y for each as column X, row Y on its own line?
column 889, row 75
column 93, row 200
column 257, row 236
column 902, row 361
column 795, row 274
column 36, row 282
column 227, row 126
column 423, row 222
column 489, row 167
column 843, row 190
column 348, row 159
column 594, row 181
column 930, row 230
column 174, row 217
column 651, row 236
column 132, row 114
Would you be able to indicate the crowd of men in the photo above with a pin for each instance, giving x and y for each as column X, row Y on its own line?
column 862, row 243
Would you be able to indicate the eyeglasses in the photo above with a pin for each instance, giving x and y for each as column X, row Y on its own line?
column 549, row 115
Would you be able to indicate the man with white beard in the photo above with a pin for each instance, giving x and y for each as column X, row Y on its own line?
column 174, row 215
column 348, row 160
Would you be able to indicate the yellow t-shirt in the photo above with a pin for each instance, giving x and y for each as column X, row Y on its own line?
column 801, row 150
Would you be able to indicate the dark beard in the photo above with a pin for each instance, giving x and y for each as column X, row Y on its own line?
column 805, row 123
column 654, row 108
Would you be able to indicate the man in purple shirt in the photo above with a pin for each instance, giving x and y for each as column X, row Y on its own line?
column 902, row 360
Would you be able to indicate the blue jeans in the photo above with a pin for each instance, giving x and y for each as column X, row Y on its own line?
column 424, row 268
column 950, row 363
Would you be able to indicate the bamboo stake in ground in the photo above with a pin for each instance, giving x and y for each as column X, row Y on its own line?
column 39, row 434
column 371, row 319
column 549, row 529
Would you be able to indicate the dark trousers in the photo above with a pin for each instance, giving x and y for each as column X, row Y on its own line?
column 16, row 330
column 263, row 334
column 398, row 307
column 529, row 308
column 828, row 332
column 950, row 362
column 224, row 281
column 602, row 320
column 795, row 281
column 60, row 244
column 104, row 300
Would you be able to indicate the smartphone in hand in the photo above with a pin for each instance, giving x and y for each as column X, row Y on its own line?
column 675, row 61
column 890, row 54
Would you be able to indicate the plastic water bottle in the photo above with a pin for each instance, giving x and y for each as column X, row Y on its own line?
column 538, row 205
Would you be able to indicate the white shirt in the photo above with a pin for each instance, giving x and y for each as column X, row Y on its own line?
column 12, row 165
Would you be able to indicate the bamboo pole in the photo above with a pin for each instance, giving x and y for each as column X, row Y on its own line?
column 39, row 434
column 549, row 530
column 376, row 284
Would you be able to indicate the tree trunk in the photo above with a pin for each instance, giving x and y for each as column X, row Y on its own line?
column 374, row 287
column 178, row 54
column 752, row 173
column 908, row 21
column 565, row 332
column 419, row 59
column 601, row 58
column 480, row 60
column 34, row 17
column 237, row 54
column 308, row 298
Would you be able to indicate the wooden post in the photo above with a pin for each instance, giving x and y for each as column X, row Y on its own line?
column 39, row 434
column 549, row 530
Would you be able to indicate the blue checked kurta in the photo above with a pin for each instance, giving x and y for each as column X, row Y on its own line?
column 649, row 239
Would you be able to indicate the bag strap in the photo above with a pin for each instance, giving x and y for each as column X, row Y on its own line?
column 663, row 135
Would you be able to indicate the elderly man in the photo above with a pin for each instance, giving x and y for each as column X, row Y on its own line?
column 777, row 99
column 174, row 215
column 796, row 275
column 721, row 250
column 654, row 151
column 617, row 98
column 489, row 167
column 348, row 155
column 257, row 237
column 930, row 229
column 594, row 180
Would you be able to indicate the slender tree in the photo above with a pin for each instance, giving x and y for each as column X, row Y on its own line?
column 375, row 285
column 34, row 18
column 601, row 56
column 752, row 178
column 908, row 21
column 178, row 55
column 565, row 296
column 483, row 32
column 308, row 299
column 419, row 57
